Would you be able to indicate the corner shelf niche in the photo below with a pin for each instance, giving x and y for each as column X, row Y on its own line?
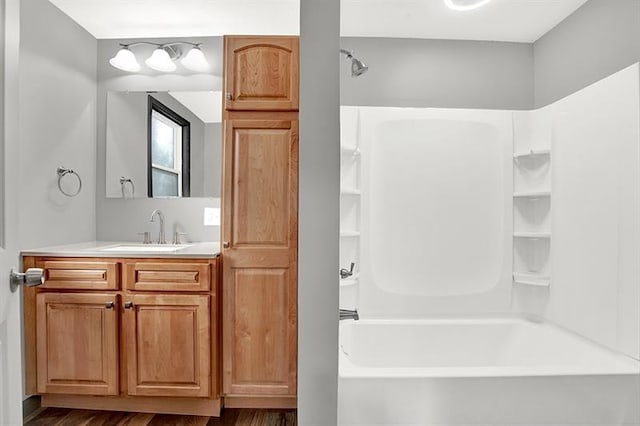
column 350, row 205
column 532, row 197
column 531, row 279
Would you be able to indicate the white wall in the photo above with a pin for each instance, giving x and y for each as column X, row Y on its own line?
column 57, row 126
column 436, row 208
column 319, row 212
column 123, row 219
column 595, row 205
column 598, row 39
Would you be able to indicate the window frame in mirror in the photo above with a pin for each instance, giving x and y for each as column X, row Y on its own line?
column 156, row 105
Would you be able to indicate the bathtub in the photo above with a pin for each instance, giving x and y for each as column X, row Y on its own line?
column 481, row 371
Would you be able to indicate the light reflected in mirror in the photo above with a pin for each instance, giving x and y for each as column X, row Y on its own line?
column 163, row 144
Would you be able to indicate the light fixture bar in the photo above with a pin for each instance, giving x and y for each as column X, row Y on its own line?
column 163, row 57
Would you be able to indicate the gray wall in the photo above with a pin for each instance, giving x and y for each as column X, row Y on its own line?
column 212, row 158
column 57, row 126
column 597, row 40
column 319, row 212
column 123, row 219
column 439, row 73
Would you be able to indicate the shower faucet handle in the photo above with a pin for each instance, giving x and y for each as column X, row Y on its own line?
column 346, row 273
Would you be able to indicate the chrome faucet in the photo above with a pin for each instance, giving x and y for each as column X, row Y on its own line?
column 161, row 237
column 348, row 314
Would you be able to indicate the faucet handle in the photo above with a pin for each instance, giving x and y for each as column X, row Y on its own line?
column 146, row 237
column 346, row 273
column 177, row 237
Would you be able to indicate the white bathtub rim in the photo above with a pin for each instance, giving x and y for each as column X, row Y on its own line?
column 625, row 365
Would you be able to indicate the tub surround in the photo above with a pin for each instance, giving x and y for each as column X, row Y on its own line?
column 101, row 249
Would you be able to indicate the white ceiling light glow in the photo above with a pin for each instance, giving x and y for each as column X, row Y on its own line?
column 125, row 60
column 195, row 61
column 163, row 58
column 160, row 61
column 464, row 5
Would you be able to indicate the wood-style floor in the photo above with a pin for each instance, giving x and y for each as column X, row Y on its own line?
column 230, row 417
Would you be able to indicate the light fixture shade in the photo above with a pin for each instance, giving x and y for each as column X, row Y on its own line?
column 125, row 60
column 161, row 61
column 463, row 5
column 194, row 60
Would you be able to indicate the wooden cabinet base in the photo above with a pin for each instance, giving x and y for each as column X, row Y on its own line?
column 282, row 402
column 157, row 405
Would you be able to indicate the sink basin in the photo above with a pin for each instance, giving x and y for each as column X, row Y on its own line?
column 156, row 248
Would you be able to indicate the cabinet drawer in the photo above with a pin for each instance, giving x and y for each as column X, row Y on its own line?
column 81, row 275
column 167, row 276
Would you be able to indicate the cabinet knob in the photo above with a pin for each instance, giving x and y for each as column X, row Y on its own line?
column 226, row 244
column 128, row 305
column 228, row 96
column 109, row 305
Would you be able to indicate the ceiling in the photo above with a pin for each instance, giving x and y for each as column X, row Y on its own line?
column 501, row 20
column 182, row 18
column 522, row 21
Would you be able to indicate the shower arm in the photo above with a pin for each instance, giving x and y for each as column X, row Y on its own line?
column 348, row 53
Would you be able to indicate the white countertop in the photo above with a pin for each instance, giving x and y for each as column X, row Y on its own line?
column 97, row 249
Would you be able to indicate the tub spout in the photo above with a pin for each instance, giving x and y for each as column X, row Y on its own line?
column 348, row 314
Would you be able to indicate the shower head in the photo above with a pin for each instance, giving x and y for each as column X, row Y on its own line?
column 357, row 66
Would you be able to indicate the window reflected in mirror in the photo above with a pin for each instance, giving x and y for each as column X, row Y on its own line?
column 163, row 144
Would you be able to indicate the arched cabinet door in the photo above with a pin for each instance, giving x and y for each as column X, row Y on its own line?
column 261, row 73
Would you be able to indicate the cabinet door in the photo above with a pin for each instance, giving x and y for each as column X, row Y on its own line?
column 259, row 230
column 168, row 345
column 261, row 73
column 77, row 343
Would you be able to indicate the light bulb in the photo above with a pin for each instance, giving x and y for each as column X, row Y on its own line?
column 161, row 61
column 195, row 61
column 464, row 5
column 125, row 60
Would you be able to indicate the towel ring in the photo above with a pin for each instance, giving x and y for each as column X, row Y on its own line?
column 123, row 182
column 62, row 172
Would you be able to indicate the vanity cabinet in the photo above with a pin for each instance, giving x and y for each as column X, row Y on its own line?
column 77, row 343
column 167, row 340
column 260, row 223
column 150, row 344
column 261, row 73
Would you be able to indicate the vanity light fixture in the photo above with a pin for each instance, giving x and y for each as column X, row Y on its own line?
column 464, row 5
column 160, row 61
column 194, row 60
column 125, row 60
column 164, row 57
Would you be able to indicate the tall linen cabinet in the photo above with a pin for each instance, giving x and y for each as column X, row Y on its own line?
column 260, row 221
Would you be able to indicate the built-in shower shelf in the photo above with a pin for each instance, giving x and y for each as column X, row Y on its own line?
column 531, row 279
column 532, row 153
column 350, row 151
column 350, row 191
column 541, row 235
column 349, row 234
column 532, row 194
column 348, row 282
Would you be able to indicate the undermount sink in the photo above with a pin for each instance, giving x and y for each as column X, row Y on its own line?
column 146, row 247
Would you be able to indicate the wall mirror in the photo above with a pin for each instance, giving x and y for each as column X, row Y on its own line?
column 163, row 144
